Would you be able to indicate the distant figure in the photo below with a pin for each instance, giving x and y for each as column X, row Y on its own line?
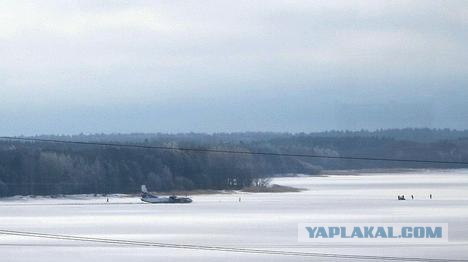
column 412, row 197
column 402, row 197
column 239, row 199
column 430, row 196
column 107, row 200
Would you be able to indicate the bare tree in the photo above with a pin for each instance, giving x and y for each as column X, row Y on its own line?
column 261, row 181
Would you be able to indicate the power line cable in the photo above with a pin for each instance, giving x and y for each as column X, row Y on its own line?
column 219, row 248
column 427, row 161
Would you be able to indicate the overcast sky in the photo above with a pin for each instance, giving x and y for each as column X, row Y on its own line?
column 214, row 66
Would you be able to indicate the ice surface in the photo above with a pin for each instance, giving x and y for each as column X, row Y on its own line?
column 260, row 220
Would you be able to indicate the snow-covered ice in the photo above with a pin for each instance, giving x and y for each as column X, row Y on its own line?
column 260, row 220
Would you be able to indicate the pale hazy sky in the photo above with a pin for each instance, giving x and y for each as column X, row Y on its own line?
column 209, row 66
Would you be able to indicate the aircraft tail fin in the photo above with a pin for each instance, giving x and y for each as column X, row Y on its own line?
column 144, row 189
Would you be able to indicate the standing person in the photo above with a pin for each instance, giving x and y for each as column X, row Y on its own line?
column 430, row 196
column 412, row 197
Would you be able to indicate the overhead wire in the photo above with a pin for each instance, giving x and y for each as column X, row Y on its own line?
column 219, row 248
column 238, row 152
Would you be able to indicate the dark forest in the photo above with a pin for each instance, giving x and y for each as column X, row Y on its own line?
column 38, row 168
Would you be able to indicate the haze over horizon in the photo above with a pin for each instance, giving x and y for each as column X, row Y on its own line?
column 72, row 67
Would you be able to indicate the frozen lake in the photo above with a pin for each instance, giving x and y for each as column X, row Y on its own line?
column 260, row 221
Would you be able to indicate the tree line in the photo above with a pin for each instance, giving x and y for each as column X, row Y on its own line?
column 38, row 168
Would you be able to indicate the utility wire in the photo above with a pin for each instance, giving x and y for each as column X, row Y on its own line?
column 219, row 248
column 232, row 151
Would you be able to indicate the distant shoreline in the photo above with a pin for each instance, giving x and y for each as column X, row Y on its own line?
column 356, row 172
column 274, row 188
column 369, row 171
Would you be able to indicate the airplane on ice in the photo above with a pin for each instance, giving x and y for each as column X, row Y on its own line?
column 149, row 198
